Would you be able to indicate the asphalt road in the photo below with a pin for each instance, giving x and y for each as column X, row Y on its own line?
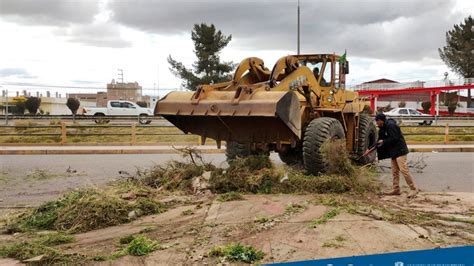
column 29, row 179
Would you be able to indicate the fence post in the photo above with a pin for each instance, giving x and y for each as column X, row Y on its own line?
column 63, row 133
column 134, row 134
column 446, row 134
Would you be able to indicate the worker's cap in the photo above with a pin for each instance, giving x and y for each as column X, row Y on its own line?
column 380, row 117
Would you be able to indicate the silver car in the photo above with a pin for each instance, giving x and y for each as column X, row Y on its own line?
column 409, row 115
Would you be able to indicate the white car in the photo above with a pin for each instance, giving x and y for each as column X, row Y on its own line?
column 411, row 115
column 119, row 108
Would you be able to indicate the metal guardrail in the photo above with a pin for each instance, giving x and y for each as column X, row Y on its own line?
column 64, row 133
column 77, row 117
column 135, row 118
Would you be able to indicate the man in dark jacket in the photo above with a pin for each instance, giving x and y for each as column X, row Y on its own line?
column 391, row 144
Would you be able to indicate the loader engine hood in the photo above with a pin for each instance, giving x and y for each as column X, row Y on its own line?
column 259, row 117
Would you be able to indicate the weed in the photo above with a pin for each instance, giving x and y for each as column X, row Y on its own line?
column 331, row 244
column 326, row 217
column 83, row 210
column 126, row 239
column 237, row 253
column 99, row 258
column 261, row 220
column 336, row 158
column 41, row 246
column 140, row 245
column 174, row 175
column 40, row 174
column 250, row 174
column 293, row 208
column 54, row 239
column 187, row 212
column 256, row 174
column 230, row 196
column 211, row 225
column 147, row 229
column 460, row 220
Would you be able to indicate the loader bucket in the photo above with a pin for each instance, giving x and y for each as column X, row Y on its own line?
column 261, row 117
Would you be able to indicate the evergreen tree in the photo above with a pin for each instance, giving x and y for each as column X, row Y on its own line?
column 73, row 104
column 458, row 54
column 208, row 43
column 32, row 104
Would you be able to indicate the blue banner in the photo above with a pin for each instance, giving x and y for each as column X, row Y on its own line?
column 455, row 256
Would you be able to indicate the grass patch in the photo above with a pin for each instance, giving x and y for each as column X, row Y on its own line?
column 176, row 175
column 335, row 243
column 250, row 174
column 55, row 239
column 230, row 196
column 256, row 174
column 43, row 245
column 126, row 239
column 237, row 253
column 326, row 217
column 136, row 245
column 84, row 210
column 139, row 245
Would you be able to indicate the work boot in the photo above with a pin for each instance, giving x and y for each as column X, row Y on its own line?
column 412, row 193
column 392, row 192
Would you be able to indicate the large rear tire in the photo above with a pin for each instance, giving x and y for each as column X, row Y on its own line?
column 317, row 132
column 367, row 138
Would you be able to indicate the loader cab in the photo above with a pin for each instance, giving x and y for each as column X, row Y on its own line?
column 331, row 72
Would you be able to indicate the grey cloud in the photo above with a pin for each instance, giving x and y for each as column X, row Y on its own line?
column 393, row 30
column 97, row 34
column 49, row 12
column 15, row 72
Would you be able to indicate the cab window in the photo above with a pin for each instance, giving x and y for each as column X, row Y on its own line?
column 127, row 105
column 412, row 112
column 326, row 79
column 115, row 104
column 403, row 111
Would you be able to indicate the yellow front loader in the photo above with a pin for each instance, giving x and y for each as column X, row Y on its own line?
column 292, row 110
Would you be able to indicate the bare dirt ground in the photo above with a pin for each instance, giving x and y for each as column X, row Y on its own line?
column 280, row 225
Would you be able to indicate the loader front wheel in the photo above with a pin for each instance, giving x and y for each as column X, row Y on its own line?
column 235, row 149
column 291, row 156
column 367, row 138
column 317, row 132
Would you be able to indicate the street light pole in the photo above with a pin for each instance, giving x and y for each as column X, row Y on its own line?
column 6, row 107
column 298, row 36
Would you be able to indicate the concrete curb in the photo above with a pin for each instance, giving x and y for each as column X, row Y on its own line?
column 52, row 151
column 102, row 151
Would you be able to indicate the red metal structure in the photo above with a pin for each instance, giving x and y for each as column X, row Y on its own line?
column 375, row 93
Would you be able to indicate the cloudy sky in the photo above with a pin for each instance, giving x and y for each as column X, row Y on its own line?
column 82, row 43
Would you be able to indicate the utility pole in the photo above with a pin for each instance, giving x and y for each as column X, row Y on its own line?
column 298, row 36
column 120, row 74
column 158, row 80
